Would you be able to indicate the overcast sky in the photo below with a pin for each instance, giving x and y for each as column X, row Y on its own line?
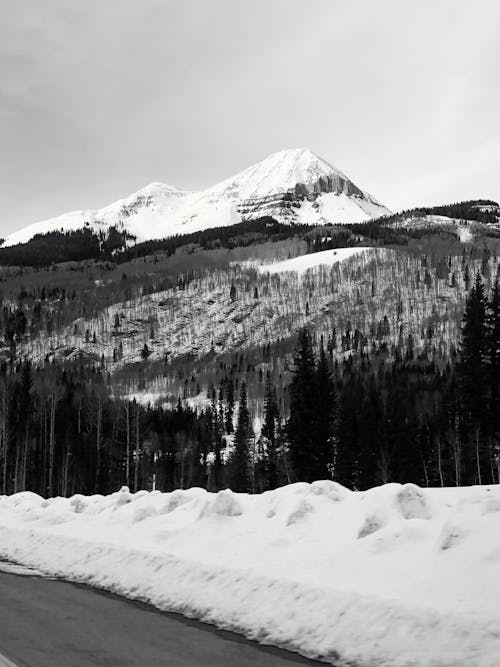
column 100, row 97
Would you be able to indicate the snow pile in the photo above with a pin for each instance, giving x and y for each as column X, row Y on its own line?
column 396, row 575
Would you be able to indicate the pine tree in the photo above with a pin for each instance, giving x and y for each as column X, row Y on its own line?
column 230, row 407
column 25, row 410
column 269, row 433
column 306, row 463
column 239, row 466
column 216, row 440
column 348, row 464
column 474, row 351
column 467, row 277
column 493, row 324
column 474, row 376
column 326, row 417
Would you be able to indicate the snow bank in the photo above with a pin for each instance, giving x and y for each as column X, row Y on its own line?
column 396, row 575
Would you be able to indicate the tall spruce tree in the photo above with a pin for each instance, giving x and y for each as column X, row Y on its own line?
column 325, row 420
column 474, row 378
column 349, row 464
column 239, row 467
column 269, row 433
column 474, row 351
column 228, row 421
column 216, row 428
column 493, row 322
column 306, row 462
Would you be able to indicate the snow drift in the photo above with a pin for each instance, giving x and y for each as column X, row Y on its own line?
column 396, row 575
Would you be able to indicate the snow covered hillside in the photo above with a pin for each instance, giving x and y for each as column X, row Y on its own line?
column 379, row 297
column 202, row 318
column 396, row 575
column 465, row 230
column 292, row 186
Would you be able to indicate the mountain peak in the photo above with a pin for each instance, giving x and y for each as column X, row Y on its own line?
column 156, row 190
column 304, row 156
column 157, row 187
column 294, row 154
column 282, row 172
column 292, row 185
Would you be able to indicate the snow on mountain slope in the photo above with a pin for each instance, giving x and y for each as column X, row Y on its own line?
column 294, row 186
column 304, row 262
column 203, row 318
column 282, row 171
column 140, row 213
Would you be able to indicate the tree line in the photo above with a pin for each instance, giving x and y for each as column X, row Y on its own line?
column 65, row 246
column 373, row 418
column 368, row 418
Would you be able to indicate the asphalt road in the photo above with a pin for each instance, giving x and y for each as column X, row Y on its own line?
column 52, row 623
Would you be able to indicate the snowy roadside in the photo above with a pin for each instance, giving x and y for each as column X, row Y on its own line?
column 395, row 576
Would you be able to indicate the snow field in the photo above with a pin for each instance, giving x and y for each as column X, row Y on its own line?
column 313, row 260
column 396, row 575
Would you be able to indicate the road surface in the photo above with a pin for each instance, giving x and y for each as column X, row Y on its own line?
column 52, row 623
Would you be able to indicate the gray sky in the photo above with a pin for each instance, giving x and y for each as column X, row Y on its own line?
column 98, row 98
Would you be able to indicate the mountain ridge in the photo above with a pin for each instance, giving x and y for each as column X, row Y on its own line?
column 293, row 185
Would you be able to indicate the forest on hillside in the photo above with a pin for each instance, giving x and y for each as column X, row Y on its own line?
column 179, row 334
column 113, row 243
column 366, row 420
column 382, row 337
column 200, row 367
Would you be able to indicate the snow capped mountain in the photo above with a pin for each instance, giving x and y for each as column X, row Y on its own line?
column 293, row 186
column 282, row 171
column 145, row 208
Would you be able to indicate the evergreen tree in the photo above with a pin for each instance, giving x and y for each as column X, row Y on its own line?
column 304, row 456
column 474, row 377
column 216, row 441
column 239, row 466
column 269, row 433
column 493, row 322
column 325, row 420
column 349, row 463
column 230, row 408
column 474, row 352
